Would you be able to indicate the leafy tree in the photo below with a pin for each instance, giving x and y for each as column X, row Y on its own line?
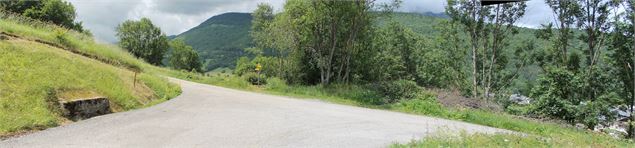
column 502, row 27
column 184, row 57
column 566, row 12
column 487, row 27
column 260, row 25
column 555, row 94
column 393, row 55
column 444, row 64
column 55, row 11
column 622, row 56
column 594, row 20
column 143, row 40
column 473, row 17
column 594, row 89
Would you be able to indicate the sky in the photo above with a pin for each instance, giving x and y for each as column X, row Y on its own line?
column 177, row 16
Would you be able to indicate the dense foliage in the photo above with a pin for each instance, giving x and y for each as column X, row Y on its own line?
column 55, row 11
column 183, row 57
column 143, row 39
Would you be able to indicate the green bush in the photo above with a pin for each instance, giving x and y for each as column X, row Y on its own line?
column 555, row 94
column 243, row 65
column 255, row 79
column 395, row 91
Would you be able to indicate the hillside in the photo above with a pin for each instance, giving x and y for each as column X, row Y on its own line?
column 220, row 40
column 42, row 64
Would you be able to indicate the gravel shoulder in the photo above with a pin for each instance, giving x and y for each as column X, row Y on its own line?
column 211, row 116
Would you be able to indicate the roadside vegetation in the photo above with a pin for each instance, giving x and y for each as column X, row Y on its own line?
column 42, row 63
column 389, row 66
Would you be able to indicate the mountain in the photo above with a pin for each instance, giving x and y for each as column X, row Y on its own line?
column 220, row 40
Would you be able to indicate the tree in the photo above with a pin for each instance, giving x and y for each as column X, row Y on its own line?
column 594, row 20
column 395, row 54
column 143, row 40
column 487, row 28
column 322, row 36
column 184, row 57
column 260, row 25
column 333, row 31
column 502, row 27
column 472, row 16
column 55, row 11
column 566, row 12
column 622, row 56
column 594, row 90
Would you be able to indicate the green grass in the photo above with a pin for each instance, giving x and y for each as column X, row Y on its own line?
column 164, row 91
column 34, row 74
column 81, row 43
column 538, row 133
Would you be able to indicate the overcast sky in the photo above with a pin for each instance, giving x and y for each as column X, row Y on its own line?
column 177, row 16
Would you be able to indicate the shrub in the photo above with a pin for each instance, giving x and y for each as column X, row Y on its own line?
column 555, row 94
column 593, row 113
column 243, row 65
column 395, row 91
column 255, row 79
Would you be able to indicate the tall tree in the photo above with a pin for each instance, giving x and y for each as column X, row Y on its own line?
column 143, row 40
column 565, row 12
column 502, row 27
column 473, row 17
column 260, row 25
column 184, row 57
column 333, row 32
column 594, row 20
column 622, row 47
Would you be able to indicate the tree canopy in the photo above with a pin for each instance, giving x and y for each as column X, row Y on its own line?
column 55, row 11
column 183, row 57
column 143, row 39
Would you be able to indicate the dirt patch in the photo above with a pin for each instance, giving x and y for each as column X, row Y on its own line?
column 454, row 99
column 16, row 134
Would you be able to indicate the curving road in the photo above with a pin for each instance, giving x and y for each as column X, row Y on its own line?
column 210, row 116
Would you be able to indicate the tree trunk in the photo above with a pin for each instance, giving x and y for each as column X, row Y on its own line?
column 632, row 130
column 474, row 72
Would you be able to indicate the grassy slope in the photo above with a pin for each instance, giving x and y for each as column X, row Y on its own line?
column 32, row 72
column 540, row 134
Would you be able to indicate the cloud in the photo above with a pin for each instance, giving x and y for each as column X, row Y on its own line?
column 177, row 16
column 193, row 6
column 172, row 16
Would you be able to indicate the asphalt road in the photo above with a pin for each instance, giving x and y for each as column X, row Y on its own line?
column 210, row 116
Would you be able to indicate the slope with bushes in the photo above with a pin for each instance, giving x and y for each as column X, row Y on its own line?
column 42, row 63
